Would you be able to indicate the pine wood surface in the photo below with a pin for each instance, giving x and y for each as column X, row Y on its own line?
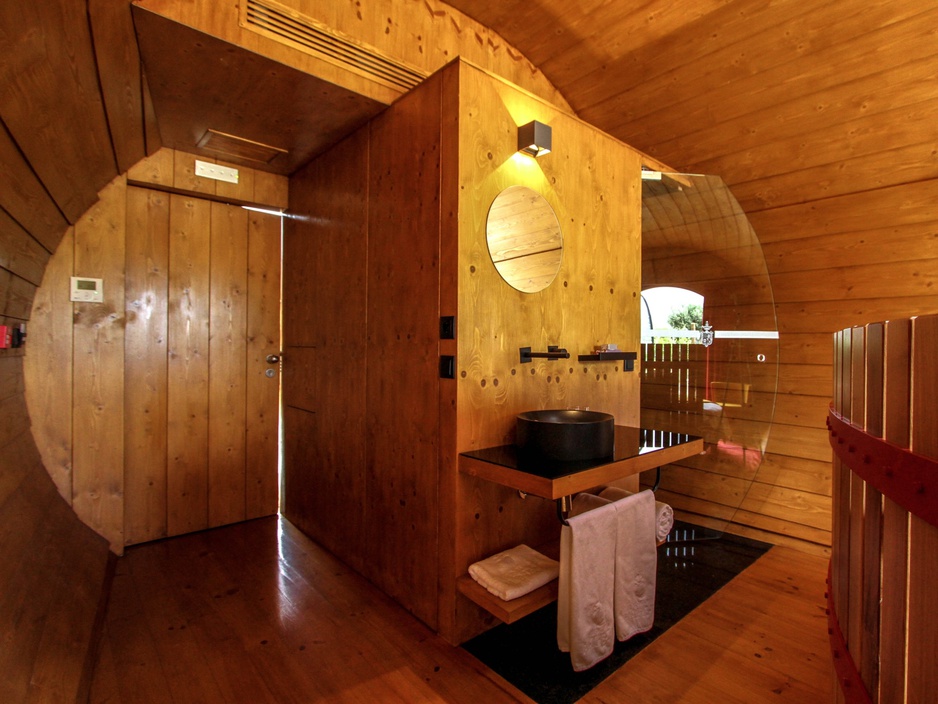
column 425, row 35
column 191, row 618
column 257, row 612
column 762, row 638
column 132, row 377
column 64, row 90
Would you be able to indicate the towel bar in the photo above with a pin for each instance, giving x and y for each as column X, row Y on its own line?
column 565, row 503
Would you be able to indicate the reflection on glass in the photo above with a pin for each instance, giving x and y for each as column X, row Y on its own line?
column 696, row 239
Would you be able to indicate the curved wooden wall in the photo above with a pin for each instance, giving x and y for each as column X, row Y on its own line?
column 71, row 121
column 74, row 114
column 821, row 121
column 884, row 561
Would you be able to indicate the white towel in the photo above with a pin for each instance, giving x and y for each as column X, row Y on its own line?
column 664, row 514
column 514, row 572
column 636, row 564
column 585, row 617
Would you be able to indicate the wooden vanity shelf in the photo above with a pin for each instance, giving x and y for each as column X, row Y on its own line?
column 636, row 450
column 511, row 611
column 507, row 611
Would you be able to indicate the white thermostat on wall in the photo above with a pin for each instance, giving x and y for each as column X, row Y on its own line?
column 87, row 290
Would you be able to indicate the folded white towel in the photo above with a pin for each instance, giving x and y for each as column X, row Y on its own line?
column 514, row 572
column 585, row 617
column 664, row 514
column 636, row 564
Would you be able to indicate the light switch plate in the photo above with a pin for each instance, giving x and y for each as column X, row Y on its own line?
column 219, row 173
column 86, row 290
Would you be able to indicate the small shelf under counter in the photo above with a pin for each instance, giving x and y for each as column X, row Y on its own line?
column 636, row 450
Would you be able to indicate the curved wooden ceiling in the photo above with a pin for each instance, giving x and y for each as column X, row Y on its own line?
column 596, row 52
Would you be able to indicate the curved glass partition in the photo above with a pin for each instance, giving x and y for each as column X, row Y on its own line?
column 712, row 371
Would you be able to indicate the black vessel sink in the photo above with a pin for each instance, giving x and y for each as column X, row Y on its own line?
column 565, row 435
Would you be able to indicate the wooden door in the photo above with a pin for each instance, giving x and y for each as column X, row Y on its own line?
column 202, row 403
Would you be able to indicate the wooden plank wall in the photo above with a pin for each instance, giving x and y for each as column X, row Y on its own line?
column 70, row 124
column 59, row 145
column 361, row 338
column 592, row 182
column 821, row 121
column 396, row 508
column 139, row 456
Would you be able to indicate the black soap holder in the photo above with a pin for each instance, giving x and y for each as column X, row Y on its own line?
column 627, row 357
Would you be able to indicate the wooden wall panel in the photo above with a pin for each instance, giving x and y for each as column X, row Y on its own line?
column 262, row 487
column 400, row 483
column 24, row 197
column 63, row 88
column 98, row 382
column 138, row 472
column 227, row 351
column 119, row 72
column 324, row 328
column 592, row 183
column 830, row 154
column 188, row 371
column 145, row 359
column 20, row 253
column 49, row 392
column 402, row 417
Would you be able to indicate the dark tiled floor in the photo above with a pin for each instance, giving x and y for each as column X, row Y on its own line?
column 692, row 566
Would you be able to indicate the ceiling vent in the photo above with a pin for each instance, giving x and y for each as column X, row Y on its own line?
column 238, row 148
column 276, row 21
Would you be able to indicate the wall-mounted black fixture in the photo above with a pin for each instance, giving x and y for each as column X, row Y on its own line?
column 447, row 327
column 534, row 139
column 553, row 352
column 627, row 357
column 447, row 366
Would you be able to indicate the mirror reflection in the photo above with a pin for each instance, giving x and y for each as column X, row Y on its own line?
column 524, row 239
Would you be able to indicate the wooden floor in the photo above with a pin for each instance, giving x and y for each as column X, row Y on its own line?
column 257, row 613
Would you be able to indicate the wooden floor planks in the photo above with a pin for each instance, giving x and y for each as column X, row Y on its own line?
column 762, row 638
column 256, row 612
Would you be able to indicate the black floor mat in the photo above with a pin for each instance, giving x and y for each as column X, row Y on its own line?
column 691, row 568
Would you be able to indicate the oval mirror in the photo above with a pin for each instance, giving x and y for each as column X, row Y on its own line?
column 524, row 239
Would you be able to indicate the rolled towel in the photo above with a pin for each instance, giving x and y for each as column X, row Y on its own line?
column 664, row 514
column 514, row 572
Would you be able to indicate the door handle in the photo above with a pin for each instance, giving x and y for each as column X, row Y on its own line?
column 273, row 359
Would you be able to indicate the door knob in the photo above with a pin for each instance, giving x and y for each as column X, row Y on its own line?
column 273, row 358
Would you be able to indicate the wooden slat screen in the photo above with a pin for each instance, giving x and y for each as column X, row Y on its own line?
column 884, row 560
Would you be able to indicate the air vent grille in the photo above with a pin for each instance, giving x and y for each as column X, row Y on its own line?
column 274, row 20
column 238, row 148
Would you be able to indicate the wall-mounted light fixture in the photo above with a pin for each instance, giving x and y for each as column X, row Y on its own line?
column 534, row 139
